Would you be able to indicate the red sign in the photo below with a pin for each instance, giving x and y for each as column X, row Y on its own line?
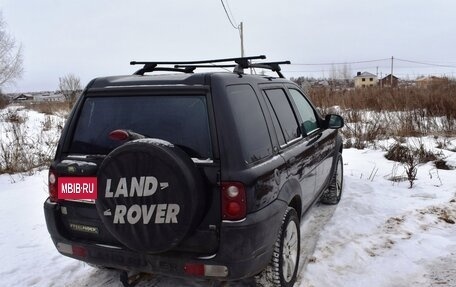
column 77, row 188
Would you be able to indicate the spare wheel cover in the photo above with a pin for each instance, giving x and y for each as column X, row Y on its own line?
column 149, row 195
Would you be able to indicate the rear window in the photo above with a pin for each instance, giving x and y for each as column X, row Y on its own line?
column 180, row 120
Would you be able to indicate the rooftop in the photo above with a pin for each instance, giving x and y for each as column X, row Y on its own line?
column 365, row 75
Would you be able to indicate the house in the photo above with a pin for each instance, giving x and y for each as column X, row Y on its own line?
column 49, row 98
column 386, row 81
column 23, row 97
column 39, row 97
column 431, row 81
column 365, row 79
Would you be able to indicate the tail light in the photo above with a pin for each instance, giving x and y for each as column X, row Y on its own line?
column 233, row 201
column 52, row 185
column 199, row 269
column 75, row 250
column 194, row 269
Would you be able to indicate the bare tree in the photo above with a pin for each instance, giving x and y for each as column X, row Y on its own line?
column 10, row 56
column 333, row 73
column 4, row 101
column 346, row 72
column 340, row 72
column 70, row 87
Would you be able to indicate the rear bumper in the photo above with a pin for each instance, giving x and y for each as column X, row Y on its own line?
column 245, row 247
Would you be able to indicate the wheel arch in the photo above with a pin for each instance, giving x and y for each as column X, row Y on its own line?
column 291, row 194
column 296, row 204
column 338, row 151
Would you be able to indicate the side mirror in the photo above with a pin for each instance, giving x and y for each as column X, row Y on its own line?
column 334, row 121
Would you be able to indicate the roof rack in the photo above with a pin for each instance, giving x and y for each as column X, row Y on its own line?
column 153, row 67
column 189, row 66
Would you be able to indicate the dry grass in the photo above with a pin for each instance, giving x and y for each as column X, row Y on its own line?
column 435, row 101
column 22, row 150
column 48, row 107
column 4, row 101
column 370, row 115
column 411, row 157
column 374, row 114
column 400, row 112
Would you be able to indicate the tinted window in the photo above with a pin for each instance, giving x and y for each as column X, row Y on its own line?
column 307, row 113
column 181, row 120
column 284, row 113
column 250, row 123
column 278, row 130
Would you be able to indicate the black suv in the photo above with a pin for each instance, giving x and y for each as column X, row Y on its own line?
column 198, row 174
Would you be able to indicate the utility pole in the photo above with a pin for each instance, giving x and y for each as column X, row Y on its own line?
column 392, row 59
column 241, row 33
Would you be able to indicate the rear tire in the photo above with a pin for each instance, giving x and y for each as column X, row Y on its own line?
column 334, row 192
column 283, row 268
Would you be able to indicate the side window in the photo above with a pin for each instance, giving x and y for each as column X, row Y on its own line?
column 305, row 110
column 250, row 123
column 276, row 124
column 281, row 109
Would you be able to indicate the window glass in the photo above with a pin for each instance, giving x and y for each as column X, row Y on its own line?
column 180, row 120
column 276, row 124
column 250, row 123
column 307, row 113
column 284, row 113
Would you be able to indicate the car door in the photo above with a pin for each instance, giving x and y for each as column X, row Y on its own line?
column 299, row 154
column 323, row 140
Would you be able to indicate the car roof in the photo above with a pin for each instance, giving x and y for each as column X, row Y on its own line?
column 188, row 79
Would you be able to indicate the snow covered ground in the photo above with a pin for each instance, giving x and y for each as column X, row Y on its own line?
column 381, row 234
column 385, row 234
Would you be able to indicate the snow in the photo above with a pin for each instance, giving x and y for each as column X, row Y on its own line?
column 155, row 141
column 202, row 161
column 78, row 163
column 381, row 234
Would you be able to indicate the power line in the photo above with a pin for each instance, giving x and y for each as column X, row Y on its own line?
column 372, row 61
column 231, row 13
column 228, row 16
column 237, row 27
column 314, row 71
column 320, row 70
column 328, row 67
column 340, row 63
column 424, row 63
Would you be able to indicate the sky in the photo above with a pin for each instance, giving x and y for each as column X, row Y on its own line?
column 93, row 38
